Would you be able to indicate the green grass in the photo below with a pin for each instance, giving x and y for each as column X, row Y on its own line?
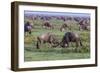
column 58, row 53
column 43, row 56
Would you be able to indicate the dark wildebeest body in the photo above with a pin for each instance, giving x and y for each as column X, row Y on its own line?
column 70, row 37
column 28, row 28
column 46, row 38
column 47, row 25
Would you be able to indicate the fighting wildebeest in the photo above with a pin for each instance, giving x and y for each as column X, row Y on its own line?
column 28, row 28
column 46, row 38
column 47, row 25
column 70, row 37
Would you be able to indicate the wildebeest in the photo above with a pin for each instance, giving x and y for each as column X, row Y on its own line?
column 84, row 25
column 77, row 19
column 28, row 27
column 70, row 37
column 46, row 38
column 64, row 26
column 47, row 25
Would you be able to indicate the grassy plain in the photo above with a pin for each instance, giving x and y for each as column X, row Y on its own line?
column 58, row 53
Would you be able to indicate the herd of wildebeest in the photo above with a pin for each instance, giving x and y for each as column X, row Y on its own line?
column 83, row 24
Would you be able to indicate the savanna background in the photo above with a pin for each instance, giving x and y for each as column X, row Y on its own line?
column 46, row 52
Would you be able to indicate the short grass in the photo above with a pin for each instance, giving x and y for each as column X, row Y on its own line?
column 58, row 53
column 44, row 56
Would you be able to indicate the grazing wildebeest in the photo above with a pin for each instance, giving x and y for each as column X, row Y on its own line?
column 46, row 38
column 63, row 27
column 63, row 18
column 28, row 27
column 77, row 19
column 84, row 25
column 70, row 37
column 48, row 25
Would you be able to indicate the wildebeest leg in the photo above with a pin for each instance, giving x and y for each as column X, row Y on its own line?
column 81, row 43
column 30, row 32
column 77, row 43
column 38, row 43
column 76, row 48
